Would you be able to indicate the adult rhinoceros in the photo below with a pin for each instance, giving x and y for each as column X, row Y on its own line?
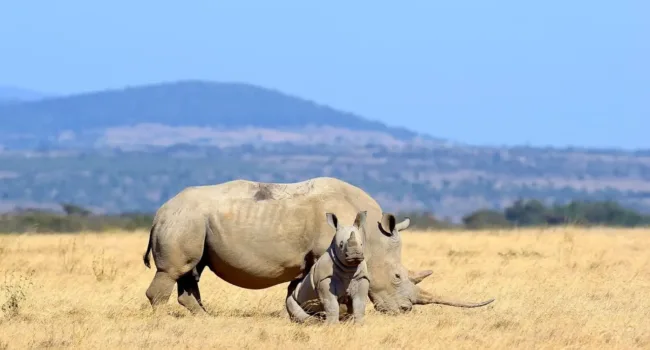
column 256, row 235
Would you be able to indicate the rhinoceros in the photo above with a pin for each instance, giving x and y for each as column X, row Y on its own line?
column 257, row 235
column 339, row 276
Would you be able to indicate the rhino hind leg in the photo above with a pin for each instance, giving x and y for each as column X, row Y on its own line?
column 179, row 260
column 160, row 289
column 296, row 313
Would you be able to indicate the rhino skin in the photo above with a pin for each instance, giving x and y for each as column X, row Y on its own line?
column 257, row 235
column 340, row 276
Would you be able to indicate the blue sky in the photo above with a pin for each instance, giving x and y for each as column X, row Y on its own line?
column 483, row 72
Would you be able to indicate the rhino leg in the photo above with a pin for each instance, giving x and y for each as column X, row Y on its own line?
column 358, row 301
column 160, row 289
column 292, row 286
column 309, row 261
column 329, row 301
column 179, row 258
column 296, row 313
column 188, row 293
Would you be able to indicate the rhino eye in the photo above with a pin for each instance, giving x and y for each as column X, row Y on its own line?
column 398, row 276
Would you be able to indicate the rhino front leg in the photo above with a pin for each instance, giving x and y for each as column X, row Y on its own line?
column 329, row 300
column 359, row 298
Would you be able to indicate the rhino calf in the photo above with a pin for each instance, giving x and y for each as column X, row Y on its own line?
column 338, row 276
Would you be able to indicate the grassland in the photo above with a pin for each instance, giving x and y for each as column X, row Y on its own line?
column 560, row 288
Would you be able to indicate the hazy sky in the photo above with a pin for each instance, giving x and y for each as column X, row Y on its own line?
column 484, row 72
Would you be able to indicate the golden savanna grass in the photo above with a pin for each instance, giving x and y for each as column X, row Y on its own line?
column 554, row 288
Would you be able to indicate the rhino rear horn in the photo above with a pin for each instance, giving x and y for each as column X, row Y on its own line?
column 417, row 277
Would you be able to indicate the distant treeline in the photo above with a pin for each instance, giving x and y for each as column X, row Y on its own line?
column 534, row 213
column 73, row 219
column 522, row 213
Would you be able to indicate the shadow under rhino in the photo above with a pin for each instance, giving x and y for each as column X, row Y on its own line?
column 257, row 235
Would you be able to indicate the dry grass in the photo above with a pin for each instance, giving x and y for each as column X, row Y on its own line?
column 564, row 288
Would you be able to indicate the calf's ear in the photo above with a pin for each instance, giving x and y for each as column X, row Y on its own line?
column 332, row 220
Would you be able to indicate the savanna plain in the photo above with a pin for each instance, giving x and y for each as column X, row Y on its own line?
column 554, row 288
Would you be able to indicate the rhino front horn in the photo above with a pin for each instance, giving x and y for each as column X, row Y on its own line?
column 352, row 241
column 422, row 297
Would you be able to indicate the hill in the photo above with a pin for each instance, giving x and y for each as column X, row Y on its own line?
column 131, row 149
column 194, row 112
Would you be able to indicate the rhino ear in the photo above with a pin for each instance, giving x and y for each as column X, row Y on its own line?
column 403, row 225
column 388, row 223
column 360, row 220
column 332, row 220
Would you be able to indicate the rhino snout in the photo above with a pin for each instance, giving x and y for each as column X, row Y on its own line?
column 354, row 256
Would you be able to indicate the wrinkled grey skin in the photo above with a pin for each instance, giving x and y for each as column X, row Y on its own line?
column 339, row 276
column 257, row 235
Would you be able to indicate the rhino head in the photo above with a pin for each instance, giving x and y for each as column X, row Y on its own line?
column 393, row 287
column 348, row 240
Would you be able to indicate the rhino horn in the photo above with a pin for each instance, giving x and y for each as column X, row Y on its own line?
column 417, row 277
column 352, row 241
column 422, row 297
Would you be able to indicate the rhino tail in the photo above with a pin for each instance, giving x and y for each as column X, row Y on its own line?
column 145, row 257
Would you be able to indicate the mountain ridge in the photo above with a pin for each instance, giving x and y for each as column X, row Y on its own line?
column 185, row 103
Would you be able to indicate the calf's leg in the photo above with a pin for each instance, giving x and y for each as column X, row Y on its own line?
column 296, row 313
column 359, row 301
column 329, row 300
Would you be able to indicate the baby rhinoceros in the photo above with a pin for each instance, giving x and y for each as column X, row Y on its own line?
column 338, row 276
